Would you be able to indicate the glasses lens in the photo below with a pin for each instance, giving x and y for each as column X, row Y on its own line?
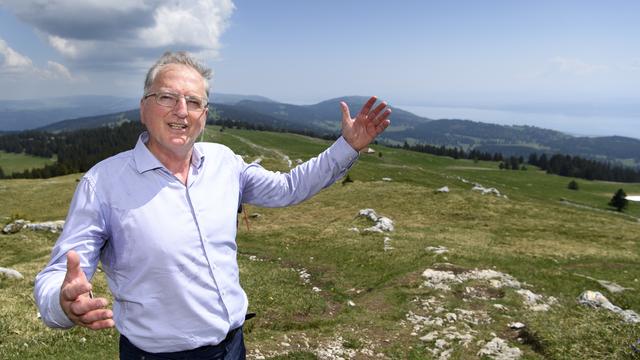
column 194, row 103
column 166, row 99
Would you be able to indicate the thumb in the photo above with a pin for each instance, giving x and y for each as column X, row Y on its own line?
column 346, row 116
column 74, row 270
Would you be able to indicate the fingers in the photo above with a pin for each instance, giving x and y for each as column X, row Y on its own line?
column 91, row 313
column 103, row 324
column 367, row 106
column 74, row 271
column 96, row 316
column 345, row 111
column 85, row 305
column 382, row 126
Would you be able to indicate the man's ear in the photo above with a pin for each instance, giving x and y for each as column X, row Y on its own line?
column 142, row 111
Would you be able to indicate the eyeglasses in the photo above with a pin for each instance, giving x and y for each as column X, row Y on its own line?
column 169, row 99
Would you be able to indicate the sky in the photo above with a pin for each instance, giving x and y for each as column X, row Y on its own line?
column 574, row 64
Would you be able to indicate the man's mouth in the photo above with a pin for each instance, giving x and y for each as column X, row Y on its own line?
column 177, row 126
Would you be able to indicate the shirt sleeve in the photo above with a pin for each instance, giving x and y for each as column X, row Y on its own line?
column 274, row 189
column 84, row 231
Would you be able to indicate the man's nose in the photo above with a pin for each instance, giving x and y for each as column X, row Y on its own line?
column 181, row 107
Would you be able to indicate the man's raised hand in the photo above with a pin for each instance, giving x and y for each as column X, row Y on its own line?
column 76, row 302
column 369, row 123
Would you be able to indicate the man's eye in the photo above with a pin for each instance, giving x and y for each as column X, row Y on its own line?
column 194, row 102
column 166, row 97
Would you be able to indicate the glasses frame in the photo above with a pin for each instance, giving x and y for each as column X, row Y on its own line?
column 157, row 94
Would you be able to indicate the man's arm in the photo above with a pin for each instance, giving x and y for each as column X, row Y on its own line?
column 272, row 189
column 61, row 288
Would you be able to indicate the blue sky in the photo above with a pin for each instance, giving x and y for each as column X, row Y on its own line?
column 575, row 58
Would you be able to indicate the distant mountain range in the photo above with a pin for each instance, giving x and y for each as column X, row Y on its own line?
column 324, row 117
column 17, row 115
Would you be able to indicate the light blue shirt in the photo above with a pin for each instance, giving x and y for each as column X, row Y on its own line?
column 169, row 250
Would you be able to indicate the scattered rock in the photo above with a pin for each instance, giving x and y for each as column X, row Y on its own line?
column 20, row 224
column 444, row 189
column 286, row 159
column 354, row 229
column 484, row 191
column 596, row 299
column 442, row 280
column 257, row 161
column 517, row 325
column 536, row 302
column 498, row 349
column 255, row 215
column 351, row 303
column 382, row 223
column 369, row 151
column 438, row 250
column 387, row 244
column 386, row 179
column 11, row 273
column 304, row 275
column 500, row 307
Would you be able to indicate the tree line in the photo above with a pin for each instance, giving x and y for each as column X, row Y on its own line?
column 559, row 164
column 79, row 150
column 575, row 166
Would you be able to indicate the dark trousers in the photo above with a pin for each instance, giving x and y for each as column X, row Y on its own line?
column 231, row 348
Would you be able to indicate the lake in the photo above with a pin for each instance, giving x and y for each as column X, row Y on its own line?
column 584, row 125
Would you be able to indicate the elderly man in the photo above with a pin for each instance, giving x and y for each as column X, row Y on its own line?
column 162, row 219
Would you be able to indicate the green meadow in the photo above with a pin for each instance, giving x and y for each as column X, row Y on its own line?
column 321, row 290
column 11, row 163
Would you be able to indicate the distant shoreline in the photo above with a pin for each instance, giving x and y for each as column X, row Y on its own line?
column 589, row 126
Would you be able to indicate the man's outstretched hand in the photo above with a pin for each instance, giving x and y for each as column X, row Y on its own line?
column 76, row 302
column 369, row 123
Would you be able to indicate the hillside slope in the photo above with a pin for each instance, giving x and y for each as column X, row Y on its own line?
column 324, row 118
column 322, row 290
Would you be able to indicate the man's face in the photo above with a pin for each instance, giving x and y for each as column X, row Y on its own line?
column 174, row 130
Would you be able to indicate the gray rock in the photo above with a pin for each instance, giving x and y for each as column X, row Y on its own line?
column 20, row 224
column 595, row 299
column 382, row 224
column 10, row 273
column 498, row 349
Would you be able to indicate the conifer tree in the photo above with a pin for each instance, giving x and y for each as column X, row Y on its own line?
column 619, row 200
column 573, row 185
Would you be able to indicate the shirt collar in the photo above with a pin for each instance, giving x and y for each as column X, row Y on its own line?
column 197, row 157
column 146, row 161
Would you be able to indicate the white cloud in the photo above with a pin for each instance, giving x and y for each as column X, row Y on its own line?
column 63, row 46
column 116, row 34
column 196, row 23
column 56, row 70
column 12, row 61
column 17, row 65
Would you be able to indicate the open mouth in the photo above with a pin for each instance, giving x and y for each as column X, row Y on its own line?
column 177, row 126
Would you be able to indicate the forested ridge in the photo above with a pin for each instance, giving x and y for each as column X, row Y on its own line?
column 79, row 150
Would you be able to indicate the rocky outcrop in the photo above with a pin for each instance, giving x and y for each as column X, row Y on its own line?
column 20, row 224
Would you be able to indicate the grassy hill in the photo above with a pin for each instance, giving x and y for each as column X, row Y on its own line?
column 372, row 302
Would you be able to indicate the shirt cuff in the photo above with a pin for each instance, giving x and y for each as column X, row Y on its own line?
column 343, row 153
column 57, row 317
